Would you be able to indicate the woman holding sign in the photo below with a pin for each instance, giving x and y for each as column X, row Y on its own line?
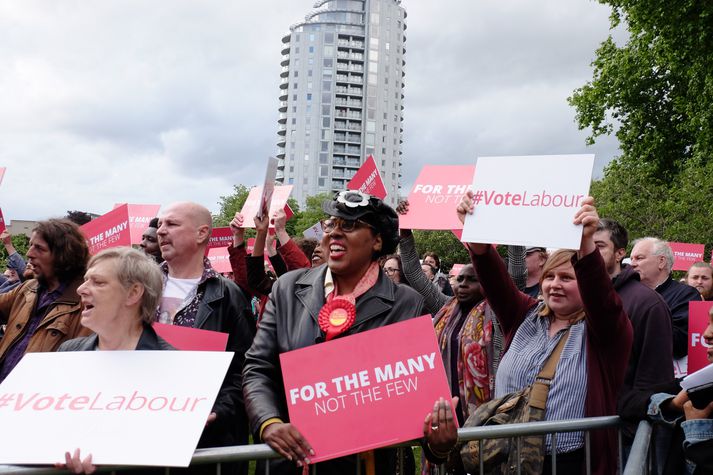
column 308, row 306
column 579, row 304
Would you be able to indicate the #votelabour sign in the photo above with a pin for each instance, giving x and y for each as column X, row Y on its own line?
column 391, row 375
column 529, row 200
column 127, row 408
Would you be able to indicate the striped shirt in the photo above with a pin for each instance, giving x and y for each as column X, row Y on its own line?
column 525, row 358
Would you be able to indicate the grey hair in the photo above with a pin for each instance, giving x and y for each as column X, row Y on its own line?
column 660, row 248
column 135, row 267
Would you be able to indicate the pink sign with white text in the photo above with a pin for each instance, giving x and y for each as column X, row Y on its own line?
column 108, row 230
column 279, row 200
column 697, row 322
column 367, row 390
column 368, row 180
column 3, row 227
column 220, row 259
column 685, row 254
column 220, row 237
column 139, row 218
column 435, row 195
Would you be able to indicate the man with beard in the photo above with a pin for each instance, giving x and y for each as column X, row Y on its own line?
column 651, row 360
column 44, row 312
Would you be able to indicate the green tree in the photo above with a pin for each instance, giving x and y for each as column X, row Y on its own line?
column 21, row 243
column 311, row 214
column 231, row 204
column 655, row 92
column 444, row 243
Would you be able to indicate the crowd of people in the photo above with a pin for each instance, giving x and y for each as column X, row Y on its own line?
column 616, row 329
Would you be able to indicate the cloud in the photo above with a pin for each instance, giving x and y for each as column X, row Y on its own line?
column 154, row 102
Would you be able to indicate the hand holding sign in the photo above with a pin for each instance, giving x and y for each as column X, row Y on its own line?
column 288, row 442
column 440, row 428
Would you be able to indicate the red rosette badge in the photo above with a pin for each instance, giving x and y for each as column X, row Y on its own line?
column 336, row 317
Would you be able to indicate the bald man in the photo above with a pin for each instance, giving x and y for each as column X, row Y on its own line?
column 197, row 296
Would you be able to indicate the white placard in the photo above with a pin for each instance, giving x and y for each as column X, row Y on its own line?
column 529, row 200
column 314, row 232
column 123, row 407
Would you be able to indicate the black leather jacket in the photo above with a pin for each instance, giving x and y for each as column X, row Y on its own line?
column 224, row 308
column 290, row 322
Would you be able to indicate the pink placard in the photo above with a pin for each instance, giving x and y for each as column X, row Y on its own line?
column 2, row 174
column 435, row 195
column 139, row 218
column 220, row 237
column 697, row 322
column 366, row 390
column 3, row 227
column 191, row 339
column 455, row 270
column 368, row 180
column 108, row 230
column 686, row 254
column 220, row 259
column 279, row 200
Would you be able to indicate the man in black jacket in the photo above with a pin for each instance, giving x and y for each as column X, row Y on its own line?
column 651, row 360
column 653, row 259
column 194, row 295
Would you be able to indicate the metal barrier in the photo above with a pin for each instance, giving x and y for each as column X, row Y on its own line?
column 639, row 462
column 264, row 452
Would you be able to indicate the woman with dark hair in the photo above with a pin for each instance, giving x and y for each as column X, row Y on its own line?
column 580, row 305
column 393, row 270
column 360, row 229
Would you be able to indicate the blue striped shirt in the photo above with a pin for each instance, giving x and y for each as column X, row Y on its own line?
column 525, row 358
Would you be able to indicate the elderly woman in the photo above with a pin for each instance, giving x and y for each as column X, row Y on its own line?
column 120, row 293
column 359, row 230
column 580, row 302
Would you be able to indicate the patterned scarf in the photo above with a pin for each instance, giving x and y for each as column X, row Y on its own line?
column 475, row 382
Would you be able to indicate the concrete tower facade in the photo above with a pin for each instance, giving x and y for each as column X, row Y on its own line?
column 341, row 96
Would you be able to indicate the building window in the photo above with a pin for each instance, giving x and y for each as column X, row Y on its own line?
column 325, row 121
column 328, row 62
column 311, row 48
column 329, row 38
column 309, row 96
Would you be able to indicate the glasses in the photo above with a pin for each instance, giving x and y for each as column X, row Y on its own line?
column 469, row 278
column 390, row 270
column 346, row 225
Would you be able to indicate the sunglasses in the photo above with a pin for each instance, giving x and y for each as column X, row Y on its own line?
column 469, row 278
column 390, row 270
column 346, row 225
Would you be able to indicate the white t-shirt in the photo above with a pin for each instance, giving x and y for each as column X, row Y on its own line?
column 177, row 293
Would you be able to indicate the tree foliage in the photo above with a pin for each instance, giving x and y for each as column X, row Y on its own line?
column 656, row 94
column 444, row 243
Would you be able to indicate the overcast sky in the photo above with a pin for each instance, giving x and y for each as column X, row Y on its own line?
column 153, row 102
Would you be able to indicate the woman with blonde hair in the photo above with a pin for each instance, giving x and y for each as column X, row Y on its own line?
column 579, row 304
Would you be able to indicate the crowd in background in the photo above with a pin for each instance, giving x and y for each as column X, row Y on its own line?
column 616, row 328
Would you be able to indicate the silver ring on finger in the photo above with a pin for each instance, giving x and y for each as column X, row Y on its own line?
column 434, row 428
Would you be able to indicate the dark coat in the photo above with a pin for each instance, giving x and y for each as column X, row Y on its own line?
column 225, row 309
column 651, row 360
column 290, row 323
column 677, row 296
column 60, row 323
column 149, row 341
